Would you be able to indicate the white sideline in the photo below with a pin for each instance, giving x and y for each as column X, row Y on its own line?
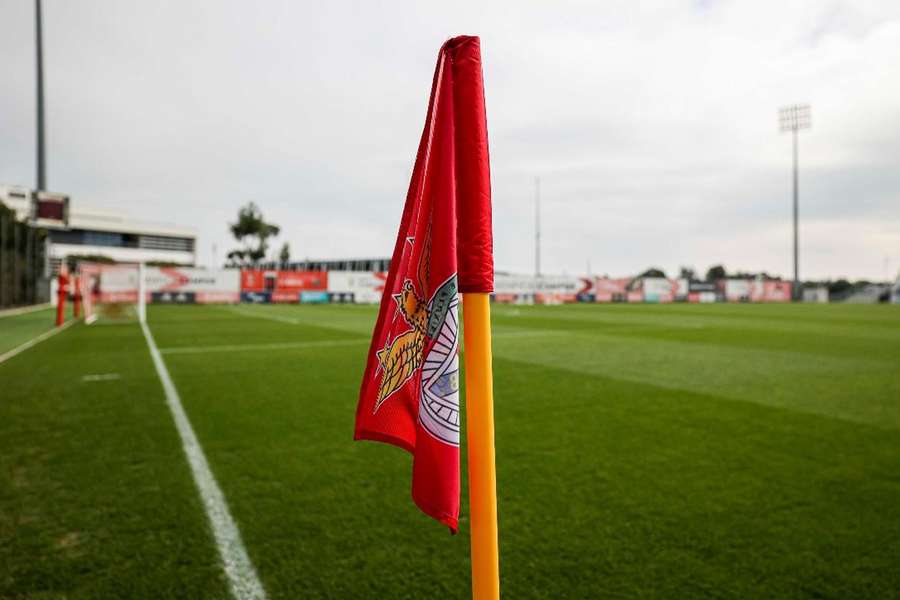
column 254, row 347
column 33, row 341
column 242, row 577
column 23, row 310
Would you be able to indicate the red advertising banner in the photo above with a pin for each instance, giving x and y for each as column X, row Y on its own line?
column 609, row 290
column 302, row 281
column 283, row 281
column 770, row 291
column 285, row 297
column 253, row 281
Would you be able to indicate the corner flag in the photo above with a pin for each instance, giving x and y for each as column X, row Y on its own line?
column 410, row 390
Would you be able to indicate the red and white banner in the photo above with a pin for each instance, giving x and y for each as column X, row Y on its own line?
column 737, row 290
column 551, row 289
column 209, row 286
column 283, row 281
column 770, row 291
column 364, row 287
column 610, row 290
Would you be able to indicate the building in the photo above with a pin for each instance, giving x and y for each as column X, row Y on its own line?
column 373, row 264
column 76, row 230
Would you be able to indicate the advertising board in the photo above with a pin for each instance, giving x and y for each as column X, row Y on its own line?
column 314, row 297
column 206, row 285
column 737, row 290
column 365, row 287
column 254, row 280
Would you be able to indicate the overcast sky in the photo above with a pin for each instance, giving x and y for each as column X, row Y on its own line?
column 653, row 128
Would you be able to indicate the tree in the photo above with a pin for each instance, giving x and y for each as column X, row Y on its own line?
column 252, row 232
column 653, row 272
column 716, row 272
column 687, row 273
column 285, row 255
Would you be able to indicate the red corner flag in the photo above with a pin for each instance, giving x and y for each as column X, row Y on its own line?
column 410, row 390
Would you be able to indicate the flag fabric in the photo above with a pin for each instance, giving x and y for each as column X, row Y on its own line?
column 410, row 390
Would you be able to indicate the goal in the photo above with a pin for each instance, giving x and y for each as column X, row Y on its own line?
column 112, row 293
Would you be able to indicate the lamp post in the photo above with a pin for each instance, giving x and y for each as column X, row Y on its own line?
column 39, row 45
column 792, row 119
column 537, row 227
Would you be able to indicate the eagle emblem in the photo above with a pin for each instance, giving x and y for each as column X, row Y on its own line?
column 434, row 319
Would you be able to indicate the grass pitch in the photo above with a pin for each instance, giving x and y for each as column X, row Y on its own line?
column 673, row 451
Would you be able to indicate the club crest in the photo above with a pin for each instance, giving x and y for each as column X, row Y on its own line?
column 403, row 356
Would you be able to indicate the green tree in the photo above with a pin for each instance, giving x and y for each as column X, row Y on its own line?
column 716, row 272
column 285, row 255
column 252, row 232
column 653, row 272
column 687, row 273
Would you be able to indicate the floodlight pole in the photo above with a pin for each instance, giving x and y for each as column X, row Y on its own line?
column 796, row 287
column 537, row 226
column 794, row 118
column 39, row 44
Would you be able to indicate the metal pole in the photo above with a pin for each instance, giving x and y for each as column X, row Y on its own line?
column 39, row 42
column 537, row 226
column 2, row 260
column 17, row 275
column 797, row 294
column 29, row 267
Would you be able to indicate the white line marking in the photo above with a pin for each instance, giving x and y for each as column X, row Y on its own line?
column 245, row 313
column 102, row 377
column 34, row 341
column 23, row 310
column 255, row 347
column 242, row 577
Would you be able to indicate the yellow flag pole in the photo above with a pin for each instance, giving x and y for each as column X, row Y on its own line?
column 480, row 428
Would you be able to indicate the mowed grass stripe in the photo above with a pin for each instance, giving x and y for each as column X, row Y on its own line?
column 821, row 335
column 199, row 326
column 260, row 347
column 623, row 489
column 860, row 389
column 96, row 500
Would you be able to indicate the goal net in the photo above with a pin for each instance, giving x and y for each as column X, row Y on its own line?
column 113, row 293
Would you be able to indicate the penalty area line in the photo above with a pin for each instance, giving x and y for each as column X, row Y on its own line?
column 34, row 341
column 255, row 315
column 242, row 577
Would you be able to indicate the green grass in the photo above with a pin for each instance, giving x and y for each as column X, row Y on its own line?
column 680, row 451
column 15, row 330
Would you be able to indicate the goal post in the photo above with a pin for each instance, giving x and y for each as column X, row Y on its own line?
column 113, row 293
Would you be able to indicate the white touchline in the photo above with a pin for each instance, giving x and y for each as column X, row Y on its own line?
column 19, row 349
column 11, row 312
column 256, row 347
column 242, row 577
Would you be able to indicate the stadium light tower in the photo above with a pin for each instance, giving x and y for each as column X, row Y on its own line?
column 39, row 46
column 792, row 119
column 537, row 226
